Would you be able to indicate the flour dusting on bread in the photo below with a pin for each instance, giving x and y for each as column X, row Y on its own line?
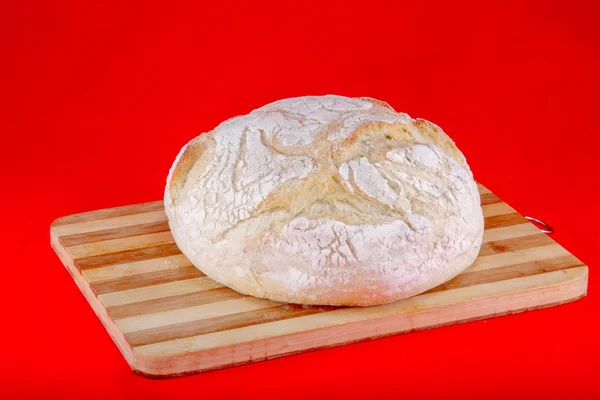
column 325, row 200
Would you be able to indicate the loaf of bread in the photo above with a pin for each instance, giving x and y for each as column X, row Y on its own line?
column 325, row 200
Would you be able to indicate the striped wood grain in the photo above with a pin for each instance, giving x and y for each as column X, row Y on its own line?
column 169, row 319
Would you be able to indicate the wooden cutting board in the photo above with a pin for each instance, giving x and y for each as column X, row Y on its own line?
column 169, row 319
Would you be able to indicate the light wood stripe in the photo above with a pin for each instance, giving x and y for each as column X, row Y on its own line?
column 136, row 268
column 482, row 189
column 118, row 245
column 509, row 272
column 508, row 232
column 165, row 319
column 519, row 256
column 126, row 256
column 173, row 302
column 497, row 209
column 148, row 279
column 165, row 326
column 223, row 322
column 520, row 243
column 138, row 281
column 99, row 227
column 158, row 291
column 109, row 213
column 467, row 296
column 115, row 233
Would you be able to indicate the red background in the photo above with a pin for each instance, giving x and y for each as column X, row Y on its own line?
column 96, row 98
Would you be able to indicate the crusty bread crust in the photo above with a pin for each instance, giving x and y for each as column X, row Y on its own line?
column 189, row 156
column 325, row 200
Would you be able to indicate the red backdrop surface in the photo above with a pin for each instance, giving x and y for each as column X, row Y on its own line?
column 97, row 98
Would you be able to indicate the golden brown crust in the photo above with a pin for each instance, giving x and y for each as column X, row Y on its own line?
column 383, row 134
column 376, row 102
column 182, row 168
column 439, row 138
column 374, row 134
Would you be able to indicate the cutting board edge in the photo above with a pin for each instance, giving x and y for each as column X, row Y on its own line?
column 101, row 313
column 147, row 366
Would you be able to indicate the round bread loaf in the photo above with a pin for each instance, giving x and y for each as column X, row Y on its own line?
column 325, row 200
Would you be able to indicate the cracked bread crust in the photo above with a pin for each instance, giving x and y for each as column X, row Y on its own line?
column 325, row 200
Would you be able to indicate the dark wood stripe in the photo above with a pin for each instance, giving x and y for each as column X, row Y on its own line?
column 509, row 272
column 146, row 279
column 513, row 244
column 173, row 302
column 115, row 233
column 489, row 198
column 110, row 213
column 125, row 256
column 226, row 322
column 499, row 221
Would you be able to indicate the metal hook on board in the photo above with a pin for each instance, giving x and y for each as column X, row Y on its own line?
column 541, row 225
